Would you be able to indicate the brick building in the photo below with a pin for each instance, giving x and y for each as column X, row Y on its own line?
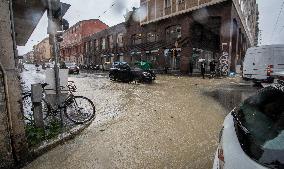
column 177, row 33
column 105, row 46
column 29, row 57
column 42, row 51
column 71, row 49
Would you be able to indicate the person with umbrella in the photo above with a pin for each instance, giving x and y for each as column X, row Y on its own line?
column 202, row 67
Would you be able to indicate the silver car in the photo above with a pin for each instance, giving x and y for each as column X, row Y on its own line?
column 252, row 136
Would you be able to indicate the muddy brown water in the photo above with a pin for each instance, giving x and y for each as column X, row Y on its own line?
column 232, row 96
column 173, row 123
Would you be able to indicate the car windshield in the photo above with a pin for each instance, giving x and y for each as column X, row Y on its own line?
column 263, row 116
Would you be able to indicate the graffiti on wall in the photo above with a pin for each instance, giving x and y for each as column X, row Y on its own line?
column 224, row 63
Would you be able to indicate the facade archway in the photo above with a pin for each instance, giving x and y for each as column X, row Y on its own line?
column 205, row 41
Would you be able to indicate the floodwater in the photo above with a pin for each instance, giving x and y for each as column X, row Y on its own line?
column 172, row 123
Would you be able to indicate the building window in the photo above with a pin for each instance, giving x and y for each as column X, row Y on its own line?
column 168, row 3
column 103, row 40
column 86, row 47
column 173, row 32
column 96, row 44
column 151, row 37
column 180, row 1
column 120, row 40
column 110, row 41
column 90, row 45
column 136, row 39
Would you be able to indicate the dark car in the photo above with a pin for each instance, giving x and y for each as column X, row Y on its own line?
column 94, row 67
column 121, row 71
column 73, row 68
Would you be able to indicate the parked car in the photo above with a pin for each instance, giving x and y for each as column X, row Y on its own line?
column 94, row 67
column 121, row 71
column 107, row 66
column 73, row 68
column 252, row 136
column 279, row 75
column 262, row 62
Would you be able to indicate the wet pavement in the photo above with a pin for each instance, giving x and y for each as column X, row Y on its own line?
column 172, row 123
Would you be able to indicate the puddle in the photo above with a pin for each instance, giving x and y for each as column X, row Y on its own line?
column 232, row 96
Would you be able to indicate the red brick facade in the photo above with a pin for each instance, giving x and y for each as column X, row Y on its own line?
column 71, row 49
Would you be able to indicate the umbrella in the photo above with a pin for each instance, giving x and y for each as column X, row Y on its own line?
column 201, row 60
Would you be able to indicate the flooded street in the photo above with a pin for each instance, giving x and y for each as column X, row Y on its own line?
column 172, row 123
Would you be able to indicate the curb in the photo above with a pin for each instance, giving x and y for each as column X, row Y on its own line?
column 50, row 144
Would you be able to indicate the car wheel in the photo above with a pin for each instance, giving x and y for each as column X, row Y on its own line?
column 112, row 77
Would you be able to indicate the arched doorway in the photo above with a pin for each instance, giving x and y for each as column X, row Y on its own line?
column 205, row 41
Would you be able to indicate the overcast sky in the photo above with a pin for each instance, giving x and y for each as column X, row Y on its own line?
column 272, row 33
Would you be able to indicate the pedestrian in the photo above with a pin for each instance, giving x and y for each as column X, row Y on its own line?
column 190, row 68
column 241, row 69
column 203, row 66
column 212, row 66
column 166, row 69
column 63, row 65
column 43, row 66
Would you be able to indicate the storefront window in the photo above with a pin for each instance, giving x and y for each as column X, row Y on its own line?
column 137, row 39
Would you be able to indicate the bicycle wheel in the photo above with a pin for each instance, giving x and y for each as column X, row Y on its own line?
column 80, row 110
column 28, row 108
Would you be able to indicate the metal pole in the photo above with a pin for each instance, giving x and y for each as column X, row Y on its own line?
column 52, row 35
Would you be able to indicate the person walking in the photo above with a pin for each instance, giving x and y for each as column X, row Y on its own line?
column 203, row 66
column 212, row 66
column 190, row 68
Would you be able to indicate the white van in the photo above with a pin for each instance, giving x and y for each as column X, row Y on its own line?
column 262, row 62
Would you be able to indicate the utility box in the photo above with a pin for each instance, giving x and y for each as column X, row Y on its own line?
column 36, row 93
column 37, row 106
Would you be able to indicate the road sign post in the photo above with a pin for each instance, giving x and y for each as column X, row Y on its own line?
column 55, row 13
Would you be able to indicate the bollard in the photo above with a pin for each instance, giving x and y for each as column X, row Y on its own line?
column 37, row 109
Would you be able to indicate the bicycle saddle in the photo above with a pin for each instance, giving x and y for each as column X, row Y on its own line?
column 43, row 85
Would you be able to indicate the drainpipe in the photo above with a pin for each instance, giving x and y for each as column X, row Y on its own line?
column 13, row 32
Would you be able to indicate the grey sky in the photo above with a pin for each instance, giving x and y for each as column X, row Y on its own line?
column 90, row 9
column 83, row 10
column 269, row 11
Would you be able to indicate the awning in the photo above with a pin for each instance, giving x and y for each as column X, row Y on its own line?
column 27, row 15
column 155, row 51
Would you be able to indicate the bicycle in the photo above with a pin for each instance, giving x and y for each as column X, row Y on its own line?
column 78, row 109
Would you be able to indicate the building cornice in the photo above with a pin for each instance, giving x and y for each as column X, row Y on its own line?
column 236, row 5
column 183, row 11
